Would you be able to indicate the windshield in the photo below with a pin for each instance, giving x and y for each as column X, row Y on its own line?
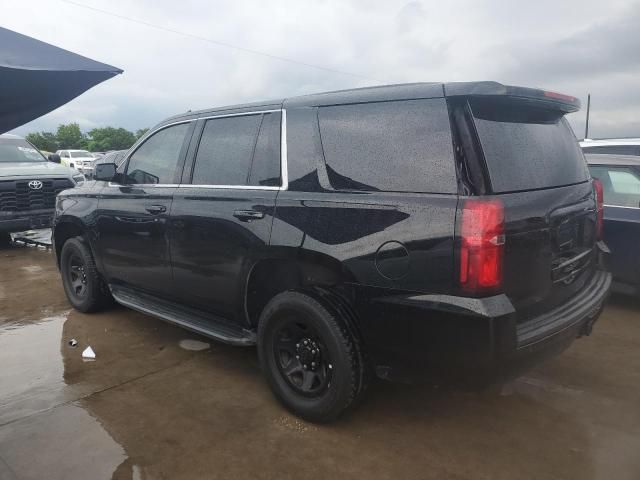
column 527, row 148
column 18, row 150
column 81, row 154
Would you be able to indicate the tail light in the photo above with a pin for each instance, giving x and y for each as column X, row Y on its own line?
column 482, row 245
column 599, row 190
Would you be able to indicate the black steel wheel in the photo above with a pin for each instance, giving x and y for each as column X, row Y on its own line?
column 83, row 285
column 311, row 359
column 77, row 275
column 302, row 358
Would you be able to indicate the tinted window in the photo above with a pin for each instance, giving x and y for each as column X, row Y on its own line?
column 18, row 150
column 265, row 169
column 621, row 185
column 390, row 146
column 527, row 148
column 155, row 161
column 614, row 149
column 225, row 150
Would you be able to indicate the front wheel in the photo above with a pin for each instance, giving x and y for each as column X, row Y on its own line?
column 310, row 358
column 83, row 285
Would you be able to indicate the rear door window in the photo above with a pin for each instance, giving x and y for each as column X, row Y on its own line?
column 527, row 148
column 402, row 146
column 226, row 150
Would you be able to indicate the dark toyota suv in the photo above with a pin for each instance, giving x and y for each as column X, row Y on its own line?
column 443, row 231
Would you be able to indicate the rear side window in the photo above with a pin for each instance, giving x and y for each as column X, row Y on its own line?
column 225, row 150
column 621, row 185
column 527, row 148
column 400, row 146
column 156, row 160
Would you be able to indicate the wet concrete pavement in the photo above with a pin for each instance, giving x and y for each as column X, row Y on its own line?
column 160, row 402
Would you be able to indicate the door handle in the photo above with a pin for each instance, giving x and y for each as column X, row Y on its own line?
column 155, row 209
column 248, row 215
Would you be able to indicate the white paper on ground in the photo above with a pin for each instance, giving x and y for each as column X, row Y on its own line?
column 88, row 353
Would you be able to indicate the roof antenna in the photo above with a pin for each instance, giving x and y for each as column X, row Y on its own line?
column 586, row 127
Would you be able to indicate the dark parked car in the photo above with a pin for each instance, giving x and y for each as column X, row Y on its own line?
column 620, row 177
column 446, row 231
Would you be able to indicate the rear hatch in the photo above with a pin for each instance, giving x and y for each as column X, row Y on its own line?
column 528, row 158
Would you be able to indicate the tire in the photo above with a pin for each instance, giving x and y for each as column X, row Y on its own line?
column 83, row 285
column 337, row 380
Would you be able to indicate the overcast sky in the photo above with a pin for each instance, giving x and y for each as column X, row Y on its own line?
column 571, row 46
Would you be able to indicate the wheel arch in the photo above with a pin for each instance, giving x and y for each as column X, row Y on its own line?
column 68, row 227
column 290, row 269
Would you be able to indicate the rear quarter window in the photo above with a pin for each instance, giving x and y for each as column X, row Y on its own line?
column 527, row 148
column 402, row 146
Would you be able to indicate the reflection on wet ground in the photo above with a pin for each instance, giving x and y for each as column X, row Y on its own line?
column 160, row 402
column 33, row 237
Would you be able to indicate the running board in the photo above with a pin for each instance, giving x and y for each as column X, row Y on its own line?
column 188, row 318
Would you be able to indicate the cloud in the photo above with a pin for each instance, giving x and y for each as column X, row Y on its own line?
column 576, row 46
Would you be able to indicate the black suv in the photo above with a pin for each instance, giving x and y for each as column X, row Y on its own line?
column 447, row 231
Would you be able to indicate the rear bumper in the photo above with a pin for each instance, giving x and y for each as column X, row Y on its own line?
column 26, row 220
column 451, row 339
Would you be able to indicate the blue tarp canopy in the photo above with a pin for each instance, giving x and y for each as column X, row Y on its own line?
column 36, row 78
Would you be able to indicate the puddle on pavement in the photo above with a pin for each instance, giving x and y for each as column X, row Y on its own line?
column 86, row 450
column 193, row 345
column 31, row 362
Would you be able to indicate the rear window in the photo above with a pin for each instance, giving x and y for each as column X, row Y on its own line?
column 527, row 148
column 18, row 150
column 400, row 146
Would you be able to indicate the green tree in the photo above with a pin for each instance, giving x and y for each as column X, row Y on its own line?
column 70, row 136
column 110, row 138
column 140, row 132
column 46, row 141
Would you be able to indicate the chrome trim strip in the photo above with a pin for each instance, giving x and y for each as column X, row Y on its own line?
column 146, row 185
column 284, row 165
column 619, row 206
column 229, row 187
column 255, row 112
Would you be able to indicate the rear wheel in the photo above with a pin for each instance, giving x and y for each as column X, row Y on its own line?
column 309, row 356
column 83, row 285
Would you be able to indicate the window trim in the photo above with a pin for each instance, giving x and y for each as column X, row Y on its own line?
column 284, row 177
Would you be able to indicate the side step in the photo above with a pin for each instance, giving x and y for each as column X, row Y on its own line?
column 191, row 319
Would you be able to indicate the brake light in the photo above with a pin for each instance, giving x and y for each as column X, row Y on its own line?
column 560, row 96
column 599, row 191
column 482, row 245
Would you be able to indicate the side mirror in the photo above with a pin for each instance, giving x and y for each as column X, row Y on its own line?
column 105, row 172
column 54, row 158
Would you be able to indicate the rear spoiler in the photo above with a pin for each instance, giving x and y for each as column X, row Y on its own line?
column 552, row 100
